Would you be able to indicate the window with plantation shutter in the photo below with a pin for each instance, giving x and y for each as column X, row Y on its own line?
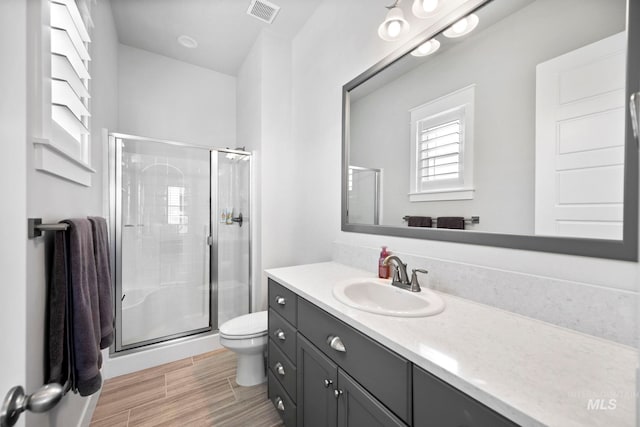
column 442, row 148
column 62, row 101
column 70, row 75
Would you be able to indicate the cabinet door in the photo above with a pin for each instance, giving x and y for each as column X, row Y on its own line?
column 317, row 381
column 356, row 407
column 437, row 404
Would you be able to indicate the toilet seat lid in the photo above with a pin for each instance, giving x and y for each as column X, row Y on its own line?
column 246, row 325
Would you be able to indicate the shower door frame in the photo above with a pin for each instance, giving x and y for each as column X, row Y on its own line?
column 115, row 226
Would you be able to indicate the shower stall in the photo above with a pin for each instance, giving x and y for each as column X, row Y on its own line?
column 180, row 230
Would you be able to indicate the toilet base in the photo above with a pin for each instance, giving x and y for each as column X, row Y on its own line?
column 251, row 370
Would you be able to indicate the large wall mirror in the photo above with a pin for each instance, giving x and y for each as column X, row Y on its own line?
column 517, row 134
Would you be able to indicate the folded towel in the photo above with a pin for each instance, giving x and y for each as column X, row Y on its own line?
column 58, row 336
column 419, row 221
column 456, row 222
column 84, row 308
column 103, row 273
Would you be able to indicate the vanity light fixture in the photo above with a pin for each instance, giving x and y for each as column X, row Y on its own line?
column 463, row 27
column 425, row 8
column 426, row 48
column 188, row 42
column 394, row 25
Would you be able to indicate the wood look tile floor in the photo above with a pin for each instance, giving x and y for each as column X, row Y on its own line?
column 197, row 391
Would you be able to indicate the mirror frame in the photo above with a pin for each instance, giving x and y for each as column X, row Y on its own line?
column 625, row 249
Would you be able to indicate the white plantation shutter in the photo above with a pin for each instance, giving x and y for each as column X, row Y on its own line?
column 70, row 71
column 439, row 149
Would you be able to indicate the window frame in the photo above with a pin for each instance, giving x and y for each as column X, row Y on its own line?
column 457, row 105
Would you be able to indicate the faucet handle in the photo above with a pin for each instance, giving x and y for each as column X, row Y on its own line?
column 395, row 278
column 415, row 286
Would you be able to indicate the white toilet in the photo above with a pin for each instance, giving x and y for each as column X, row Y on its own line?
column 247, row 336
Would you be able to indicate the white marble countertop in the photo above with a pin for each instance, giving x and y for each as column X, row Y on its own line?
column 532, row 372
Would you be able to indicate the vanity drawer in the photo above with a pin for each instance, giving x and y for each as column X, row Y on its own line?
column 283, row 301
column 282, row 334
column 283, row 369
column 283, row 403
column 382, row 372
column 436, row 403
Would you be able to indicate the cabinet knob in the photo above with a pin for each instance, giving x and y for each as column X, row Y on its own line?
column 279, row 404
column 337, row 392
column 280, row 335
column 336, row 343
column 280, row 300
column 279, row 369
column 327, row 383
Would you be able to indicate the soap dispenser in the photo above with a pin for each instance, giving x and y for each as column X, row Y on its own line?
column 383, row 270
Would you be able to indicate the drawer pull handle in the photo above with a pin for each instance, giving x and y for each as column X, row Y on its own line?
column 280, row 335
column 327, row 383
column 337, row 393
column 279, row 404
column 280, row 300
column 279, row 369
column 336, row 344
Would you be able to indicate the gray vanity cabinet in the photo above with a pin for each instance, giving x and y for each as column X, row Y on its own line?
column 327, row 396
column 325, row 373
column 437, row 404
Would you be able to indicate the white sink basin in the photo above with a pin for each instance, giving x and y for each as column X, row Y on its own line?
column 378, row 296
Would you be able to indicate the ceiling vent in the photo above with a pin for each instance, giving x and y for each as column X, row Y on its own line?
column 263, row 10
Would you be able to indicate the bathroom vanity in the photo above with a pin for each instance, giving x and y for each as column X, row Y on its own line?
column 472, row 365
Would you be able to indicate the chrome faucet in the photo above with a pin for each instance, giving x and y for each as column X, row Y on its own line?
column 400, row 278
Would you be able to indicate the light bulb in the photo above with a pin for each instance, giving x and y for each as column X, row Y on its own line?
column 425, row 8
column 394, row 28
column 460, row 26
column 429, row 5
column 463, row 27
column 426, row 48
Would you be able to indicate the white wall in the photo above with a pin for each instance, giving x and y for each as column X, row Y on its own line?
column 338, row 43
column 13, row 134
column 264, row 126
column 54, row 199
column 168, row 99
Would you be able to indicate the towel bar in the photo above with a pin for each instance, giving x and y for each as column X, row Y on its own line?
column 36, row 227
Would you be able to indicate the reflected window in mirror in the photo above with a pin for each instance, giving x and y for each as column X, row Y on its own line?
column 442, row 148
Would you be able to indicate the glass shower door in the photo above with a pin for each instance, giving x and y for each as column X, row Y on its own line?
column 364, row 195
column 232, row 232
column 163, row 217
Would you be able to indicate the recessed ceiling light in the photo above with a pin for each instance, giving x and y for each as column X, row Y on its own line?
column 463, row 27
column 188, row 42
column 426, row 48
